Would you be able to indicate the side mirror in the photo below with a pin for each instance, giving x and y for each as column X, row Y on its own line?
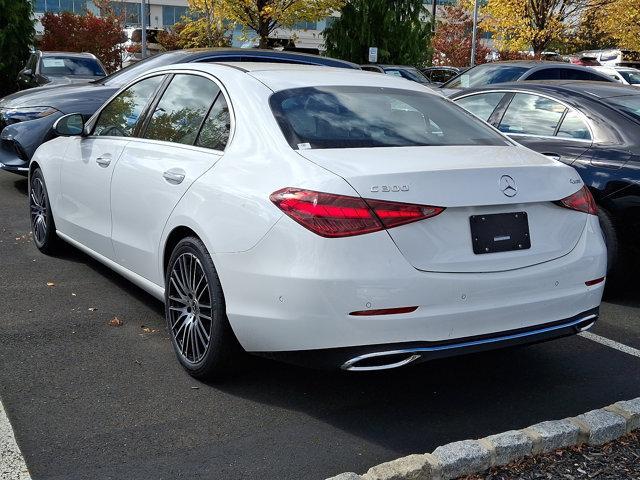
column 69, row 125
column 27, row 72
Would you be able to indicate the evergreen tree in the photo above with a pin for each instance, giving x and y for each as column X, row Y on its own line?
column 396, row 27
column 16, row 37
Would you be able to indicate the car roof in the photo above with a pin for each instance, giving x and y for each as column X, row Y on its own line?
column 531, row 63
column 282, row 76
column 68, row 54
column 592, row 89
column 192, row 54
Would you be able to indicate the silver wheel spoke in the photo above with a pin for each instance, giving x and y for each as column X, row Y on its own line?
column 191, row 329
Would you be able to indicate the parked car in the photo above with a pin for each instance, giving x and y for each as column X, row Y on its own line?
column 594, row 127
column 259, row 202
column 59, row 68
column 624, row 75
column 520, row 70
column 402, row 71
column 614, row 57
column 132, row 44
column 26, row 118
column 440, row 75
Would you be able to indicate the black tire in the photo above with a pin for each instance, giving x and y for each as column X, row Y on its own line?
column 190, row 318
column 610, row 235
column 43, row 226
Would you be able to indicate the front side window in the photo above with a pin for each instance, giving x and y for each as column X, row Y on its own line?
column 181, row 110
column 481, row 105
column 120, row 117
column 358, row 117
column 529, row 114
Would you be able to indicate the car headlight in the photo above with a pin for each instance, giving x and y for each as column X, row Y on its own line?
column 18, row 114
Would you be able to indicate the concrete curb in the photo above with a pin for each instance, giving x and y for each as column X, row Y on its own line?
column 468, row 457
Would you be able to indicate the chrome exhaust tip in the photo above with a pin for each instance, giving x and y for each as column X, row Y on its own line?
column 380, row 361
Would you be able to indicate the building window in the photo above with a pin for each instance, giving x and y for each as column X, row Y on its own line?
column 130, row 11
column 57, row 6
column 172, row 15
column 305, row 26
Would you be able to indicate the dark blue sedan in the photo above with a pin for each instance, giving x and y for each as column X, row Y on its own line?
column 26, row 118
column 593, row 126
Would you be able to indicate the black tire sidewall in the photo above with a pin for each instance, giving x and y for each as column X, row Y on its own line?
column 216, row 360
column 610, row 236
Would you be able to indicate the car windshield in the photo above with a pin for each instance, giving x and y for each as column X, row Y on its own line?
column 486, row 74
column 629, row 104
column 631, row 76
column 61, row 66
column 359, row 117
column 412, row 74
column 122, row 77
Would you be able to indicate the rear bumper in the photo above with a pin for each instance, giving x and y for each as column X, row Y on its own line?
column 293, row 294
column 384, row 357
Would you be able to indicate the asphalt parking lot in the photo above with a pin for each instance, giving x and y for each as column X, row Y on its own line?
column 88, row 399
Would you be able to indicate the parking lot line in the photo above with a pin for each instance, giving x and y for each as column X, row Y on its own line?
column 610, row 343
column 12, row 464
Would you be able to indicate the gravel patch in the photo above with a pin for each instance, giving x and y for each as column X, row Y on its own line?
column 617, row 460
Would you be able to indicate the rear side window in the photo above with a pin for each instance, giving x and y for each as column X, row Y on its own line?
column 573, row 126
column 180, row 112
column 121, row 116
column 481, row 105
column 216, row 128
column 532, row 115
column 358, row 117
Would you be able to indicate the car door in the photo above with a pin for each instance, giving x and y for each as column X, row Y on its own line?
column 183, row 137
column 546, row 126
column 84, row 213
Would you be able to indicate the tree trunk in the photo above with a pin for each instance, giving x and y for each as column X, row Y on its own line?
column 263, row 31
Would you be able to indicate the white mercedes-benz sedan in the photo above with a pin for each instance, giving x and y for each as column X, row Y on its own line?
column 322, row 216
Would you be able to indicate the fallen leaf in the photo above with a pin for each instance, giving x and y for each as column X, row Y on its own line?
column 148, row 329
column 92, row 309
column 115, row 322
column 51, row 284
column 73, row 294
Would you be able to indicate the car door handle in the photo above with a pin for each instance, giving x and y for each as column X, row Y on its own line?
column 552, row 156
column 174, row 176
column 104, row 161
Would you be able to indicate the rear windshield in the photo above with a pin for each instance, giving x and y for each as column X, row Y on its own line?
column 629, row 104
column 359, row 117
column 485, row 75
column 68, row 66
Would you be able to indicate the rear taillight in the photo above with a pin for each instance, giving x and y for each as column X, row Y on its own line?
column 582, row 201
column 330, row 215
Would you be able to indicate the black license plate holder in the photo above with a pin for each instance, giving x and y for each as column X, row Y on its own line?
column 500, row 232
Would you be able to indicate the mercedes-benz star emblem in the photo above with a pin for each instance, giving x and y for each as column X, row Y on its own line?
column 508, row 186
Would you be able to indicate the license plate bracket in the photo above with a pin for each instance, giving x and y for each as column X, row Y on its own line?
column 499, row 232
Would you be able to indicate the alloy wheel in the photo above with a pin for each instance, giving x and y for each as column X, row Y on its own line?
column 190, row 308
column 38, row 206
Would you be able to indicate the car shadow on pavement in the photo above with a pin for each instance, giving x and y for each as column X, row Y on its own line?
column 21, row 185
column 413, row 410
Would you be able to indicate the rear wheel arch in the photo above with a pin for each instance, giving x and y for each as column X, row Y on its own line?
column 174, row 237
